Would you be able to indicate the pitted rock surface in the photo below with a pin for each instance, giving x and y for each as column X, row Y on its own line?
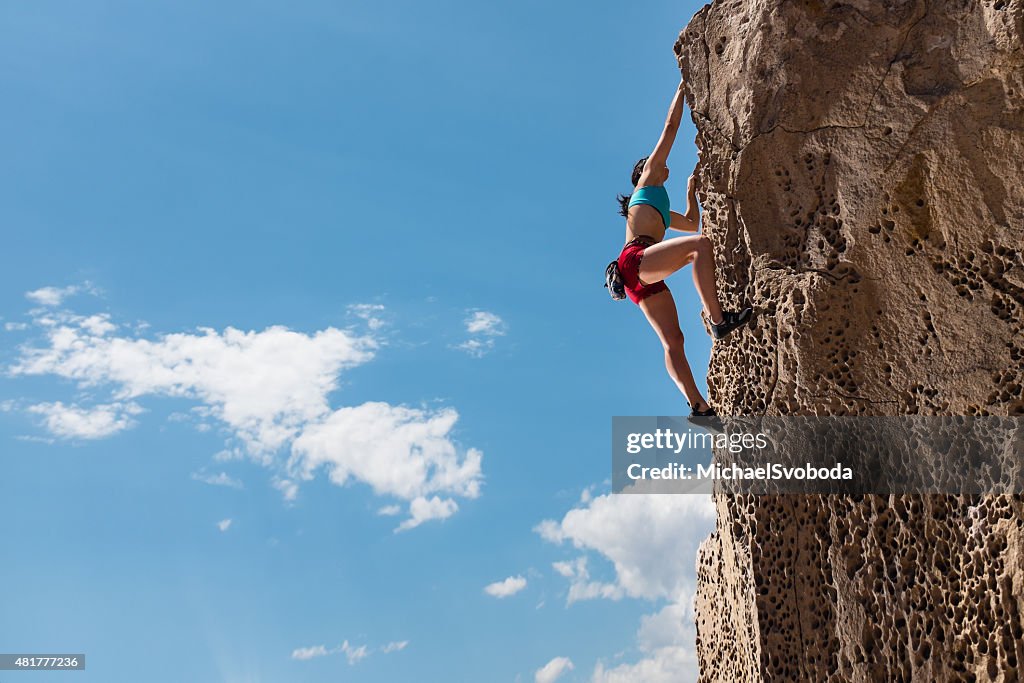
column 863, row 185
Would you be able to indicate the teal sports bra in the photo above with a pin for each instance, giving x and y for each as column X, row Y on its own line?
column 653, row 195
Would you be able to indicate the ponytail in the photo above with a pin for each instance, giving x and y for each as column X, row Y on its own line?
column 623, row 200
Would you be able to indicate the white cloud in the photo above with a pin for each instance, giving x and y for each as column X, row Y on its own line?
column 15, row 327
column 506, row 588
column 97, row 325
column 423, row 510
column 673, row 625
column 476, row 347
column 224, row 524
column 667, row 665
column 402, row 452
column 389, row 510
column 288, row 488
column 551, row 671
column 667, row 638
column 581, row 587
column 486, row 323
column 229, row 455
column 304, row 653
column 484, row 326
column 354, row 654
column 54, row 296
column 270, row 388
column 35, row 439
column 49, row 296
column 219, row 479
column 659, row 564
column 264, row 385
column 97, row 422
column 370, row 313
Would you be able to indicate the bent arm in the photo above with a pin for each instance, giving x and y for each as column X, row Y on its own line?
column 684, row 223
column 689, row 221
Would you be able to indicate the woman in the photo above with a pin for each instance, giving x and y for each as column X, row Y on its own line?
column 646, row 260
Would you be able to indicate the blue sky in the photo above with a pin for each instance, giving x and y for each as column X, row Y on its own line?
column 305, row 344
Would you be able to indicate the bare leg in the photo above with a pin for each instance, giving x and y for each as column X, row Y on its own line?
column 662, row 259
column 660, row 310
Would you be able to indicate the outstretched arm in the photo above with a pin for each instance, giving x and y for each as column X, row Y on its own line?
column 659, row 156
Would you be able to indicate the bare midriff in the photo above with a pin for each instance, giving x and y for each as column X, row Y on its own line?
column 645, row 221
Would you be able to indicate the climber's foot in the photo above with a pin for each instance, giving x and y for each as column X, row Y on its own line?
column 705, row 416
column 730, row 321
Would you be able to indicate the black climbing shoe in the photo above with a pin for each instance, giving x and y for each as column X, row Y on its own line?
column 730, row 321
column 708, row 419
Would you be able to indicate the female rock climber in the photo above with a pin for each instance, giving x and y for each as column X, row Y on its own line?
column 648, row 258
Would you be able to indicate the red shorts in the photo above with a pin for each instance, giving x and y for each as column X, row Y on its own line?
column 629, row 268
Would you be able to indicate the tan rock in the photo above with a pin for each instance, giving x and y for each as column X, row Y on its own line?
column 864, row 189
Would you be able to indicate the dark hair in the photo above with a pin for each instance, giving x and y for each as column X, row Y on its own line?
column 638, row 170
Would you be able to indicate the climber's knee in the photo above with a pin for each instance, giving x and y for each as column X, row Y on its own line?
column 672, row 340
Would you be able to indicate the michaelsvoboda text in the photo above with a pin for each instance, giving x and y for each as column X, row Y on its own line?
column 767, row 472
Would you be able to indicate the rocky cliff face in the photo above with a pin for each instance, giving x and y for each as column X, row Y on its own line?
column 864, row 189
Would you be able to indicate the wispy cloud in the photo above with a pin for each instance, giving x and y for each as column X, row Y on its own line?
column 372, row 314
column 31, row 438
column 553, row 670
column 506, row 588
column 305, row 653
column 224, row 524
column 476, row 347
column 288, row 488
column 483, row 327
column 96, row 422
column 54, row 296
column 425, row 509
column 219, row 479
column 581, row 587
column 353, row 653
column 485, row 322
